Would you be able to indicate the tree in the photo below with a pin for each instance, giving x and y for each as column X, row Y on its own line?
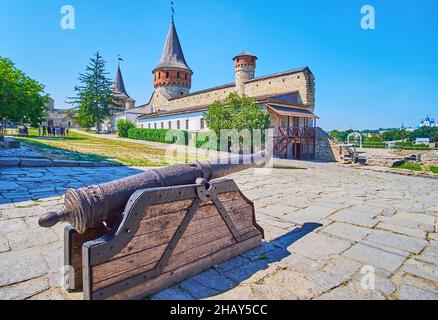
column 94, row 98
column 21, row 97
column 123, row 126
column 236, row 112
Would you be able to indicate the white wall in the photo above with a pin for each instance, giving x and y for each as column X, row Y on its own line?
column 194, row 122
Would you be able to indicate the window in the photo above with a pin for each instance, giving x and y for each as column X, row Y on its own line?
column 187, row 124
column 167, row 75
column 178, row 124
column 181, row 93
column 186, row 76
column 155, row 126
column 142, row 125
column 178, row 75
column 162, row 125
column 149, row 126
column 202, row 124
column 159, row 75
column 170, row 124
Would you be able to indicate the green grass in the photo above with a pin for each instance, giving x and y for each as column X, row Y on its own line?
column 82, row 147
column 434, row 169
column 416, row 167
column 409, row 166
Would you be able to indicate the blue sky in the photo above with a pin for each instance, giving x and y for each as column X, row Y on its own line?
column 364, row 78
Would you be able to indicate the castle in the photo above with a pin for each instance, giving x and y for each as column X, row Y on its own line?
column 289, row 98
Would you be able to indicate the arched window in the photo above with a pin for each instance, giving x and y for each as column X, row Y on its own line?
column 159, row 75
column 178, row 75
column 167, row 75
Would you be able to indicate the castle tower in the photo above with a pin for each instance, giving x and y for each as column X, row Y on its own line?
column 172, row 76
column 244, row 66
column 122, row 97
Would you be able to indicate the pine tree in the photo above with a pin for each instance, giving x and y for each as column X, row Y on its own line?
column 94, row 98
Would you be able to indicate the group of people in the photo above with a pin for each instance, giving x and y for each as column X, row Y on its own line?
column 54, row 132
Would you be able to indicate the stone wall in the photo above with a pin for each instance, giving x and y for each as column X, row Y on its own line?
column 325, row 147
column 301, row 81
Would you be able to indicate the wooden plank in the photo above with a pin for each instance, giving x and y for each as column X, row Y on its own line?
column 197, row 234
column 202, row 220
column 73, row 253
column 167, row 279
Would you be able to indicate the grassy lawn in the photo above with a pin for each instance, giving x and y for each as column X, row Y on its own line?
column 83, row 147
column 416, row 167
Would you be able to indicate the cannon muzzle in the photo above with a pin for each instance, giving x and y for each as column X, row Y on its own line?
column 86, row 208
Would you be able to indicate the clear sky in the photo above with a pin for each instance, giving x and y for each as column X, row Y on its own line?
column 364, row 78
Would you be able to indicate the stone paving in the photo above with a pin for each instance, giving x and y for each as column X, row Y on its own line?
column 327, row 229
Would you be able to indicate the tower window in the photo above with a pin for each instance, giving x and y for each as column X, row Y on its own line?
column 167, row 75
column 186, row 76
column 178, row 75
column 181, row 93
column 159, row 75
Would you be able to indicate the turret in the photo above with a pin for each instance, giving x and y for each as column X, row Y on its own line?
column 172, row 74
column 244, row 66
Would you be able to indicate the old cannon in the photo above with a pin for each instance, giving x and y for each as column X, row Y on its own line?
column 136, row 236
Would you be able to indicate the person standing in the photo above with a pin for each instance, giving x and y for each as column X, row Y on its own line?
column 39, row 131
column 44, row 130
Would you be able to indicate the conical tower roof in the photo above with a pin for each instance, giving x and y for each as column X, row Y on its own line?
column 119, row 85
column 173, row 56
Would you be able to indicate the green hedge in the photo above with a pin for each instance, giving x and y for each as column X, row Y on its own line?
column 159, row 135
column 411, row 146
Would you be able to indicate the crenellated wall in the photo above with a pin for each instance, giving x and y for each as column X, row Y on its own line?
column 301, row 81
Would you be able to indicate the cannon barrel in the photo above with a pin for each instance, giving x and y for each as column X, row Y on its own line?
column 86, row 208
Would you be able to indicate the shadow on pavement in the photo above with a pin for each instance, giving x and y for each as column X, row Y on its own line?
column 213, row 282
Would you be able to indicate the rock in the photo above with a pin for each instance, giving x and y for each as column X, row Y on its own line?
column 18, row 266
column 375, row 257
column 24, row 290
column 36, row 163
column 8, row 186
column 214, row 280
column 9, row 162
column 359, row 218
column 417, row 233
column 421, row 269
column 411, row 293
column 196, row 290
column 401, row 242
column 172, row 293
column 347, row 231
column 317, row 246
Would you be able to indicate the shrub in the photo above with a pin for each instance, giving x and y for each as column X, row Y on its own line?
column 411, row 146
column 159, row 135
column 123, row 126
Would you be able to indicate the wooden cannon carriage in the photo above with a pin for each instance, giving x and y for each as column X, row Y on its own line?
column 165, row 234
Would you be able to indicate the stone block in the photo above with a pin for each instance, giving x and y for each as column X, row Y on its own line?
column 347, row 231
column 318, row 246
column 19, row 266
column 36, row 163
column 24, row 290
column 397, row 241
column 375, row 257
column 9, row 162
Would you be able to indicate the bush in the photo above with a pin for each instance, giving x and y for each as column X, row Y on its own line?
column 159, row 135
column 411, row 146
column 123, row 126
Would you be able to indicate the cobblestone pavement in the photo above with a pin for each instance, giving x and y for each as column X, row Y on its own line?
column 326, row 226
